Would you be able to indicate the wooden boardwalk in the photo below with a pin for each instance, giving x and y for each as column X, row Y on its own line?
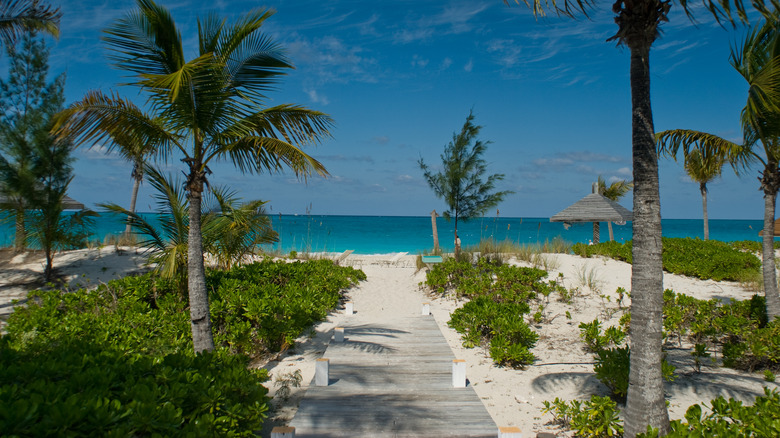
column 392, row 379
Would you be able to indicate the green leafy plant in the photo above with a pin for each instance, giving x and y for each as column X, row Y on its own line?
column 728, row 418
column 594, row 418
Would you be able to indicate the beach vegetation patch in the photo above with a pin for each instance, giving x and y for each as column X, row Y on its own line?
column 499, row 298
column 705, row 259
column 119, row 359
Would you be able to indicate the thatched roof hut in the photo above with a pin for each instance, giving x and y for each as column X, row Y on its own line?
column 594, row 208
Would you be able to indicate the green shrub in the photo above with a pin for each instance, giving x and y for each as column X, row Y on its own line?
column 594, row 418
column 118, row 360
column 705, row 259
column 77, row 388
column 729, row 418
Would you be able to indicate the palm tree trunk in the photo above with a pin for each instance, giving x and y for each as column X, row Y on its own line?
column 21, row 233
column 200, row 318
column 703, row 188
column 596, row 233
column 137, row 178
column 645, row 404
column 770, row 275
column 611, row 234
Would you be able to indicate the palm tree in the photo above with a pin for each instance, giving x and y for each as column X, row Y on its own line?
column 614, row 192
column 19, row 16
column 208, row 109
column 758, row 62
column 702, row 165
column 137, row 153
column 638, row 24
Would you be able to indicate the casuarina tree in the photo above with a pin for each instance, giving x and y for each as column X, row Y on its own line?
column 27, row 103
column 460, row 182
column 207, row 109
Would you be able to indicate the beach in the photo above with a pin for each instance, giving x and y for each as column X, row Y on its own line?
column 513, row 397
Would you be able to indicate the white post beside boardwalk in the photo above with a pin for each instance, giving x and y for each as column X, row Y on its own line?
column 321, row 372
column 426, row 309
column 348, row 308
column 338, row 334
column 509, row 432
column 283, row 432
column 458, row 373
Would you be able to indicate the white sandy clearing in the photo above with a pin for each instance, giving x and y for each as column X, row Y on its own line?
column 512, row 397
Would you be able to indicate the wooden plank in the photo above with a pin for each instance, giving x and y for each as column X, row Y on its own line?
column 392, row 379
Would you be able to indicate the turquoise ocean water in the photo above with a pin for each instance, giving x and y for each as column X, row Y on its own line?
column 388, row 234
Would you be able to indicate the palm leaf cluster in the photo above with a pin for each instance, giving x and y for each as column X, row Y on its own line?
column 211, row 108
column 232, row 230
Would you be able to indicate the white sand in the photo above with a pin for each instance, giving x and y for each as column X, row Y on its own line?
column 513, row 397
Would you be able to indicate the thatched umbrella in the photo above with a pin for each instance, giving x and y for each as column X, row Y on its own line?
column 68, row 203
column 594, row 208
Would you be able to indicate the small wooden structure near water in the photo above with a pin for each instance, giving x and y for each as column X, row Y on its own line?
column 392, row 379
column 594, row 208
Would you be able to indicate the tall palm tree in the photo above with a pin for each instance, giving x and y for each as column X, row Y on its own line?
column 758, row 61
column 137, row 153
column 208, row 109
column 19, row 16
column 702, row 165
column 638, row 24
column 613, row 192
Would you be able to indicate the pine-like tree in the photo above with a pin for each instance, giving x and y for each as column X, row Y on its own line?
column 460, row 182
column 27, row 103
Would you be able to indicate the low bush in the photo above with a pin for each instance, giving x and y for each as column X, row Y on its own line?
column 78, row 388
column 118, row 360
column 499, row 296
column 613, row 361
column 729, row 418
column 740, row 329
column 594, row 418
column 705, row 259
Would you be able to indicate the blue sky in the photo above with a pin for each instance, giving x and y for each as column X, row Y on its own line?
column 399, row 77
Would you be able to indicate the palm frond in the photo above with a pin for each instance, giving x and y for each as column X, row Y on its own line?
column 19, row 16
column 110, row 119
column 146, row 41
column 671, row 142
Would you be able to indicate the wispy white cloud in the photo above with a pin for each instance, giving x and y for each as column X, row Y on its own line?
column 454, row 19
column 418, row 61
column 446, row 63
column 331, row 59
column 316, row 97
column 469, row 66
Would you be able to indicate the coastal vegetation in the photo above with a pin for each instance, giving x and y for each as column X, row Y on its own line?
column 208, row 109
column 756, row 61
column 460, row 182
column 639, row 25
column 118, row 360
column 35, row 167
column 736, row 334
column 705, row 259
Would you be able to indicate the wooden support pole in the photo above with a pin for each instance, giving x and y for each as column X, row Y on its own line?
column 349, row 309
column 458, row 373
column 283, row 432
column 509, row 432
column 321, row 377
column 426, row 309
column 338, row 334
